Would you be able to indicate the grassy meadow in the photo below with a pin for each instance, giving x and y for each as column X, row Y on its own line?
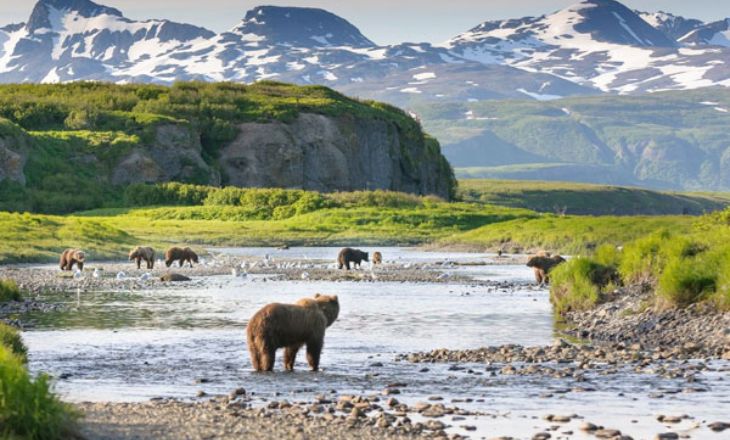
column 492, row 215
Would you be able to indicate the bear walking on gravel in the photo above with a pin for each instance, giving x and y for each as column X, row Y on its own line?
column 377, row 258
column 349, row 255
column 542, row 264
column 141, row 253
column 290, row 326
column 185, row 255
column 69, row 257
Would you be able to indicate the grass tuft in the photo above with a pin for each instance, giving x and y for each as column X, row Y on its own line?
column 9, row 291
column 579, row 284
column 28, row 408
column 10, row 338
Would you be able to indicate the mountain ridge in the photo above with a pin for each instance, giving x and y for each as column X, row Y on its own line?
column 594, row 46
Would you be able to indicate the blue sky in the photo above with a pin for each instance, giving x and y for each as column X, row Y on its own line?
column 385, row 21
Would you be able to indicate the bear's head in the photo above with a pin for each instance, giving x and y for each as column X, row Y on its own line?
column 536, row 261
column 80, row 256
column 134, row 253
column 190, row 253
column 330, row 306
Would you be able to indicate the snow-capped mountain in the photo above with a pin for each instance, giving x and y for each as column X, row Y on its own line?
column 673, row 26
column 711, row 34
column 592, row 47
column 596, row 43
column 77, row 39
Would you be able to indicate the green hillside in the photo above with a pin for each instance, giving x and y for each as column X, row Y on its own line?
column 61, row 145
column 670, row 140
column 587, row 199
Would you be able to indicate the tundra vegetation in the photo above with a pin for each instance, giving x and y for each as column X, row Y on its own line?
column 680, row 268
column 28, row 407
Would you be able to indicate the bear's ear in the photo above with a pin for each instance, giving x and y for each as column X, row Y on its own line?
column 317, row 295
column 335, row 298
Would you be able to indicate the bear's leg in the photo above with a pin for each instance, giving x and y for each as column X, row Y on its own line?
column 80, row 264
column 268, row 358
column 255, row 358
column 139, row 263
column 314, row 350
column 290, row 355
column 347, row 264
column 538, row 276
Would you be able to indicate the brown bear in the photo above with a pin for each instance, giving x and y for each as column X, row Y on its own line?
column 69, row 257
column 174, row 278
column 290, row 326
column 143, row 253
column 377, row 258
column 349, row 255
column 542, row 264
column 182, row 255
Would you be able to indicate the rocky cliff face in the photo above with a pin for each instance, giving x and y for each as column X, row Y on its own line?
column 344, row 153
column 314, row 152
column 174, row 155
column 13, row 153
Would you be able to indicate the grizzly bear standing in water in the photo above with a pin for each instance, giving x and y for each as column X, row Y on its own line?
column 143, row 253
column 182, row 255
column 290, row 326
column 542, row 264
column 349, row 255
column 69, row 257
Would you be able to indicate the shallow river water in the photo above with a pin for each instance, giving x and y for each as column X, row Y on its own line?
column 133, row 346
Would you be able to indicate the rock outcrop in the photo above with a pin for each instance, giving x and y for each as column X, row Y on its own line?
column 13, row 153
column 175, row 154
column 344, row 153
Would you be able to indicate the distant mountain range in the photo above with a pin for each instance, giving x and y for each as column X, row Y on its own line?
column 595, row 47
column 592, row 47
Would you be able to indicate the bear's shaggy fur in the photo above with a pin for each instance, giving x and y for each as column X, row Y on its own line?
column 542, row 264
column 69, row 257
column 182, row 255
column 377, row 258
column 143, row 253
column 349, row 255
column 174, row 278
column 290, row 326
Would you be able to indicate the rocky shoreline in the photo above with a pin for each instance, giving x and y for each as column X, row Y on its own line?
column 625, row 331
column 233, row 417
column 633, row 318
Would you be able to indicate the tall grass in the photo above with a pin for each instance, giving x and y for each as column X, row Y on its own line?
column 10, row 338
column 579, row 284
column 9, row 291
column 681, row 269
column 28, row 408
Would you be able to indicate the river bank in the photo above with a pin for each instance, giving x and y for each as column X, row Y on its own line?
column 148, row 354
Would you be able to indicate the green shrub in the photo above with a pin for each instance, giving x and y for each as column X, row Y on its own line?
column 9, row 291
column 579, row 284
column 172, row 193
column 377, row 199
column 10, row 338
column 28, row 408
column 608, row 255
column 688, row 279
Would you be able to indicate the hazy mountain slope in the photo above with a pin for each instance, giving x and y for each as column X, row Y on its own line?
column 675, row 140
